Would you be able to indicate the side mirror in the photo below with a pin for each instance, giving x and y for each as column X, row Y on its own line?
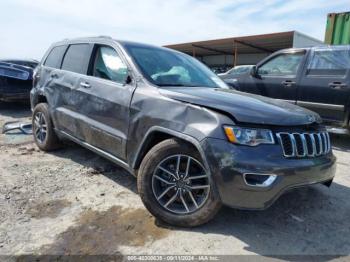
column 254, row 72
column 128, row 77
column 128, row 80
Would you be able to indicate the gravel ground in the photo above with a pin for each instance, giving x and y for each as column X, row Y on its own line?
column 73, row 202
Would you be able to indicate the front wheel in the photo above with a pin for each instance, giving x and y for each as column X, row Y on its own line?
column 175, row 186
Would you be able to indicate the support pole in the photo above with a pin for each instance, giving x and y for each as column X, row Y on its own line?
column 235, row 54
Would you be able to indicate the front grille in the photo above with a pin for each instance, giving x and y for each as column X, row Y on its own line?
column 304, row 144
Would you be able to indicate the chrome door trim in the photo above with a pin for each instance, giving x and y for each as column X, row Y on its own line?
column 98, row 151
column 288, row 101
column 321, row 105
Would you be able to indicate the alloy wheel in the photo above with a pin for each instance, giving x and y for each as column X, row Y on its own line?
column 180, row 184
column 40, row 127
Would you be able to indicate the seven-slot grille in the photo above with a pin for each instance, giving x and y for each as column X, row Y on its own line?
column 304, row 144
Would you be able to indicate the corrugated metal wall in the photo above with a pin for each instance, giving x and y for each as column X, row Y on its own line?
column 338, row 29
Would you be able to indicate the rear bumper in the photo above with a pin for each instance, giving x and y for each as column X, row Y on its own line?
column 229, row 163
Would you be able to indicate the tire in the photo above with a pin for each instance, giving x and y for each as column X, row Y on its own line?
column 50, row 141
column 165, row 151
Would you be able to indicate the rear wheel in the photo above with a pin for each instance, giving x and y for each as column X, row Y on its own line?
column 175, row 186
column 43, row 132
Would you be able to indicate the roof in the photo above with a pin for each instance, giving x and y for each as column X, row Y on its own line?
column 96, row 39
column 104, row 40
column 265, row 43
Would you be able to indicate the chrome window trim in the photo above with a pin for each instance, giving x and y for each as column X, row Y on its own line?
column 321, row 105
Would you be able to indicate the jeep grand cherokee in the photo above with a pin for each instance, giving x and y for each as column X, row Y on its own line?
column 193, row 143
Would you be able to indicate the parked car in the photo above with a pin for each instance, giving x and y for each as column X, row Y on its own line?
column 219, row 69
column 192, row 143
column 316, row 78
column 236, row 71
column 16, row 79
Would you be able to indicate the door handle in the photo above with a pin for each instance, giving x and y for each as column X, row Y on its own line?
column 337, row 85
column 54, row 75
column 85, row 85
column 288, row 83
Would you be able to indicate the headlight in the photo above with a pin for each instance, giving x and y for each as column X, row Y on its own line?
column 248, row 136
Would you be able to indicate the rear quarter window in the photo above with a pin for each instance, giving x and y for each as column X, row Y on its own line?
column 329, row 62
column 77, row 58
column 54, row 59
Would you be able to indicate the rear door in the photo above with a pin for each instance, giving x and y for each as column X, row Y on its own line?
column 324, row 87
column 65, row 82
column 48, row 80
column 102, row 100
column 277, row 77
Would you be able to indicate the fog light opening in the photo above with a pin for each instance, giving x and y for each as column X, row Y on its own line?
column 259, row 180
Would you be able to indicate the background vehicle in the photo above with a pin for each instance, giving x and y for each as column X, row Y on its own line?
column 219, row 69
column 193, row 143
column 16, row 79
column 316, row 78
column 236, row 71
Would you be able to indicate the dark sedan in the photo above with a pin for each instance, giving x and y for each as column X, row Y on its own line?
column 16, row 78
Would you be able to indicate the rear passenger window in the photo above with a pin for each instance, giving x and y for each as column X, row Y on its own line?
column 77, row 58
column 329, row 62
column 54, row 59
column 108, row 65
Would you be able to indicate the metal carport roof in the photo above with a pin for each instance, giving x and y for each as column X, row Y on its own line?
column 265, row 43
column 254, row 44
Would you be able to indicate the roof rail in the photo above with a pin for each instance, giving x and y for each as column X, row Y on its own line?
column 100, row 36
column 105, row 36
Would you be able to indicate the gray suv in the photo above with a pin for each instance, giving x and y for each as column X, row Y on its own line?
column 192, row 143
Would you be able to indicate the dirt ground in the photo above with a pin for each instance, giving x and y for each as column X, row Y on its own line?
column 74, row 202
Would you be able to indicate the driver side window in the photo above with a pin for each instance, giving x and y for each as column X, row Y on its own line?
column 282, row 65
column 108, row 65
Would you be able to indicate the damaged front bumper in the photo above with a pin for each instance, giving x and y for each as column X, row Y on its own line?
column 25, row 128
column 254, row 177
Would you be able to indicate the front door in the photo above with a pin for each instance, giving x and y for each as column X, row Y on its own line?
column 277, row 77
column 104, row 99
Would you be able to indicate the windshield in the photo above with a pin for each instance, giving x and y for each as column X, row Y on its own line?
column 164, row 67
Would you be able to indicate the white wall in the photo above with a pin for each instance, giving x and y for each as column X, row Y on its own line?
column 301, row 40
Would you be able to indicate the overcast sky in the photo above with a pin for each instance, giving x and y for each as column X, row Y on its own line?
column 28, row 27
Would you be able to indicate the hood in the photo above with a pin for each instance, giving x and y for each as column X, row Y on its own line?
column 244, row 107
